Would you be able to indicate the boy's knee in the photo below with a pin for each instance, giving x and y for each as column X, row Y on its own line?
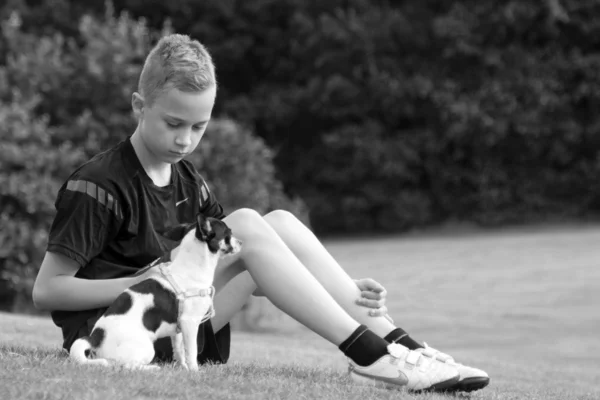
column 245, row 217
column 246, row 224
column 281, row 217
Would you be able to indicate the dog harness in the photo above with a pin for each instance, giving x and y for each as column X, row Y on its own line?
column 186, row 294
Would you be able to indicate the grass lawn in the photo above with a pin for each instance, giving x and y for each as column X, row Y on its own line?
column 522, row 304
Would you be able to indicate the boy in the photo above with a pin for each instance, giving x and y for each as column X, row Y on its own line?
column 115, row 216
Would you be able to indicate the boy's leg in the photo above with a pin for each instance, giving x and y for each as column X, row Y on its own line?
column 313, row 255
column 286, row 282
column 282, row 278
column 310, row 251
column 230, row 299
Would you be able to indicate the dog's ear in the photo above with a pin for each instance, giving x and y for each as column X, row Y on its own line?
column 203, row 228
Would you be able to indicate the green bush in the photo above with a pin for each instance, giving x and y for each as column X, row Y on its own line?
column 383, row 115
column 29, row 169
column 389, row 115
column 72, row 102
column 239, row 167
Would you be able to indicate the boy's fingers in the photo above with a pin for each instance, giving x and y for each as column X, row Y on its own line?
column 373, row 285
column 370, row 303
column 372, row 295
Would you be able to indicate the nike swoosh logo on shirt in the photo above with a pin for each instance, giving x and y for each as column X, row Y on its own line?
column 181, row 201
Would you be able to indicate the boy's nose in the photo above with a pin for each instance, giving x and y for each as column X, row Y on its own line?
column 184, row 139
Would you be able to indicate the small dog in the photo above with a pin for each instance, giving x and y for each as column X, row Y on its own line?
column 173, row 303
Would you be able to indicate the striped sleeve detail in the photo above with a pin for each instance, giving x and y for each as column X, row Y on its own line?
column 98, row 194
column 204, row 193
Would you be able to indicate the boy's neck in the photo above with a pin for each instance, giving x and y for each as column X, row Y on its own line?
column 159, row 172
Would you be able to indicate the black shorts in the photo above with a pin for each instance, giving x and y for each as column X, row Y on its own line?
column 212, row 347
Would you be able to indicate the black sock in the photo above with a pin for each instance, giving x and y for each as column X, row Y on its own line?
column 400, row 336
column 364, row 347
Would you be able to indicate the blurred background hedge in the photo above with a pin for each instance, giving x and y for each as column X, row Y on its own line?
column 357, row 115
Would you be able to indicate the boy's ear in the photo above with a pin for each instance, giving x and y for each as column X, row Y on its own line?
column 137, row 104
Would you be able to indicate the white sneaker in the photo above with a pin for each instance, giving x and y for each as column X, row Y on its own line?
column 470, row 378
column 405, row 368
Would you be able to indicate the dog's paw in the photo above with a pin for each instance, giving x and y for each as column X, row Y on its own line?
column 192, row 366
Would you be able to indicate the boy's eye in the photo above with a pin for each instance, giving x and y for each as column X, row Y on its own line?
column 173, row 124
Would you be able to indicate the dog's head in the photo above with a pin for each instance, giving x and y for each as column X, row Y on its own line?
column 217, row 235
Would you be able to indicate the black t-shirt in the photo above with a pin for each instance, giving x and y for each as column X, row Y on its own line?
column 113, row 220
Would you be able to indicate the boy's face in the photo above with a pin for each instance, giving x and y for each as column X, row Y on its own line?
column 173, row 126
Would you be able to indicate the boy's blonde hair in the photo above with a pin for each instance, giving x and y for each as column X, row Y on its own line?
column 178, row 62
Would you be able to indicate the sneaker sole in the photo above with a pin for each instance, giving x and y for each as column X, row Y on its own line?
column 469, row 385
column 373, row 381
column 440, row 386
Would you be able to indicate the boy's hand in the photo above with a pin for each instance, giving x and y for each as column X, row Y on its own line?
column 373, row 296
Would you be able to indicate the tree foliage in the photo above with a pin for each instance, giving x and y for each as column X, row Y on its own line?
column 388, row 115
column 380, row 115
column 64, row 99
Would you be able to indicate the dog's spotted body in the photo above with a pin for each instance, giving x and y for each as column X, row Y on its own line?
column 172, row 303
column 163, row 309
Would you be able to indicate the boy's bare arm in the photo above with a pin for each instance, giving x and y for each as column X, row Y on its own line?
column 56, row 287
